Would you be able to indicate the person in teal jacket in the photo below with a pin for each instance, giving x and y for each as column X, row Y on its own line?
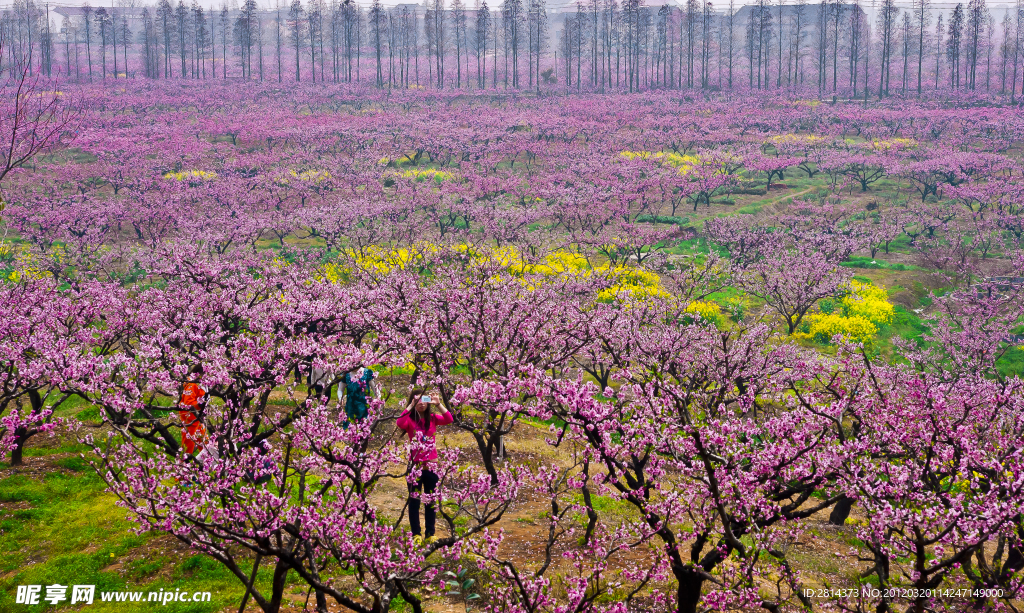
column 357, row 386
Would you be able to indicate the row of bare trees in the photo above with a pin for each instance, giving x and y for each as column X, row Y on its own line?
column 782, row 44
column 620, row 44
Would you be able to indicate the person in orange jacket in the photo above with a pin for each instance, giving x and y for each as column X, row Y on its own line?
column 193, row 432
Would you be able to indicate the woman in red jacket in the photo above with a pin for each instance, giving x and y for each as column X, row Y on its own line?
column 190, row 410
column 423, row 414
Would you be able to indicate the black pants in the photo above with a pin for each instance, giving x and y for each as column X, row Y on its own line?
column 426, row 484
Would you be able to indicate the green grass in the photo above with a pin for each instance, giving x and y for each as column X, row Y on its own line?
column 666, row 219
column 1012, row 363
column 609, row 505
column 905, row 324
column 38, row 447
column 901, row 245
column 61, row 527
column 73, row 154
column 74, row 406
column 861, row 261
column 694, row 246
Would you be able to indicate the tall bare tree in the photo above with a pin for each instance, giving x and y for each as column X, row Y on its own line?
column 87, row 30
column 940, row 31
column 458, row 17
column 181, row 31
column 887, row 17
column 439, row 34
column 103, row 29
column 165, row 19
column 977, row 20
column 378, row 33
column 224, row 16
column 314, row 20
column 483, row 28
column 706, row 15
column 277, row 36
column 954, row 44
column 512, row 18
column 731, row 37
column 296, row 27
column 778, row 66
column 1017, row 31
column 922, row 19
column 837, row 9
column 906, row 38
column 1005, row 50
column 857, row 27
column 690, row 23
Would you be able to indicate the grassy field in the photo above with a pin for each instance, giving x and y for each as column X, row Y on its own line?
column 59, row 526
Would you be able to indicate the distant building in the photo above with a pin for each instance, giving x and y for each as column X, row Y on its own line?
column 811, row 15
column 133, row 14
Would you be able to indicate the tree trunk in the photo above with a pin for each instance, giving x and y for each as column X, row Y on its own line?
column 277, row 587
column 591, row 513
column 841, row 511
column 487, row 453
column 688, row 592
column 321, row 602
column 1015, row 557
column 19, row 447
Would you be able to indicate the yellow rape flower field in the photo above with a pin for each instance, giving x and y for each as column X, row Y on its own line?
column 894, row 144
column 797, row 139
column 683, row 162
column 861, row 311
column 706, row 309
column 26, row 265
column 191, row 175
column 427, row 174
column 625, row 282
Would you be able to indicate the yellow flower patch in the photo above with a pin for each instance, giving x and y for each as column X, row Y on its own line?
column 192, row 176
column 824, row 326
column 707, row 310
column 868, row 301
column 796, row 139
column 894, row 144
column 630, row 283
column 683, row 162
column 427, row 174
